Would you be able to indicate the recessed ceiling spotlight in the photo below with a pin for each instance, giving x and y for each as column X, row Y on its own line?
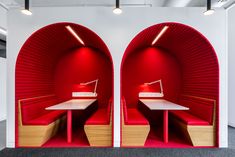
column 160, row 34
column 209, row 11
column 26, row 10
column 70, row 29
column 117, row 10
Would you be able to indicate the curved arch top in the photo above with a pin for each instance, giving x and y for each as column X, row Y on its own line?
column 177, row 35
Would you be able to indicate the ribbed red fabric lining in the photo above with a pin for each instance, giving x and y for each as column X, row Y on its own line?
column 194, row 53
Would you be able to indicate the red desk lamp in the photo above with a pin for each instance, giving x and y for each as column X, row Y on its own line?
column 153, row 94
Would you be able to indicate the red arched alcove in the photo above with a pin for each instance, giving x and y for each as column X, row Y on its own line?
column 182, row 58
column 52, row 60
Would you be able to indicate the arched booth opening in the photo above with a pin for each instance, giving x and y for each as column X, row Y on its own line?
column 169, row 89
column 64, row 89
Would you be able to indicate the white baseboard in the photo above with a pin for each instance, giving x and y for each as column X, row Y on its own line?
column 2, row 118
column 231, row 124
column 116, row 144
column 10, row 144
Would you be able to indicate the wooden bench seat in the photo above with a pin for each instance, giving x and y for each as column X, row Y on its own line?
column 37, row 125
column 98, row 127
column 198, row 124
column 135, row 127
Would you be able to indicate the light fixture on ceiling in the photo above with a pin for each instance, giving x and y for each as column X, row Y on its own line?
column 3, row 31
column 209, row 11
column 70, row 29
column 160, row 34
column 117, row 10
column 26, row 10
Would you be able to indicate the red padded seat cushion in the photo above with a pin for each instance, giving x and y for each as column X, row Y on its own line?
column 47, row 118
column 188, row 118
column 135, row 118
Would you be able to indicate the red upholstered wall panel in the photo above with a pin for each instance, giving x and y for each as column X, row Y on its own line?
column 39, row 56
column 84, row 65
column 147, row 65
column 197, row 59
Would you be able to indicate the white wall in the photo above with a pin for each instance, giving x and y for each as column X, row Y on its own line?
column 3, row 85
column 3, row 17
column 117, row 32
column 3, row 24
column 231, row 66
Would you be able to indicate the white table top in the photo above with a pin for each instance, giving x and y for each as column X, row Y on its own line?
column 162, row 104
column 73, row 104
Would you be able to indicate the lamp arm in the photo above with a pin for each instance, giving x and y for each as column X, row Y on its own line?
column 96, row 83
column 161, row 86
column 150, row 83
column 160, row 81
column 89, row 82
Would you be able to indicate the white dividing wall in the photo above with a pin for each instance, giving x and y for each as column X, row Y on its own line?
column 3, row 85
column 3, row 24
column 117, row 32
column 231, row 66
column 3, row 17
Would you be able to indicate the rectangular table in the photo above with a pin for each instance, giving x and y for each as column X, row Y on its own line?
column 73, row 104
column 162, row 104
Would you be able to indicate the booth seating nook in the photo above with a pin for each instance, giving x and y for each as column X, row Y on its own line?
column 98, row 127
column 135, row 127
column 197, row 124
column 37, row 125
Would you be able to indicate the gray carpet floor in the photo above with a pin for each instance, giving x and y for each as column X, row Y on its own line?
column 117, row 152
column 120, row 152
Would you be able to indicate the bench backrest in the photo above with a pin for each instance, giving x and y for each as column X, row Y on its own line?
column 124, row 108
column 32, row 108
column 109, row 109
column 201, row 107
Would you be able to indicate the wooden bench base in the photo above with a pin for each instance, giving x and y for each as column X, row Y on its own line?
column 99, row 135
column 197, row 135
column 134, row 135
column 37, row 135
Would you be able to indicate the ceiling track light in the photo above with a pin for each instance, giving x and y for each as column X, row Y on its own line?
column 3, row 31
column 209, row 11
column 26, row 10
column 117, row 10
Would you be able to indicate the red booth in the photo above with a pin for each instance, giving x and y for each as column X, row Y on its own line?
column 56, row 66
column 185, row 64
